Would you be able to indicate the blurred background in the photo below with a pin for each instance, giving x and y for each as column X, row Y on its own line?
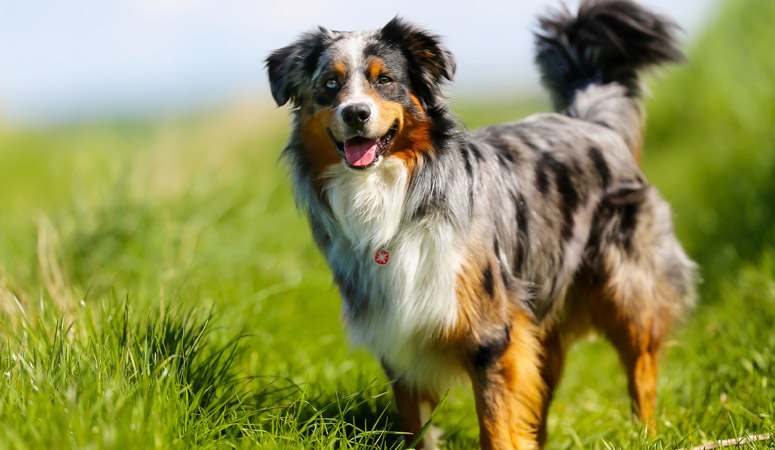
column 159, row 289
column 70, row 61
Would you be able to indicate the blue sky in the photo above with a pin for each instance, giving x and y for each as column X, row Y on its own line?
column 68, row 60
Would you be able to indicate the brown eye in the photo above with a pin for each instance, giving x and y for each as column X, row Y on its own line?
column 384, row 79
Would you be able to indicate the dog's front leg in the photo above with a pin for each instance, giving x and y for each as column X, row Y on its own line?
column 414, row 410
column 508, row 387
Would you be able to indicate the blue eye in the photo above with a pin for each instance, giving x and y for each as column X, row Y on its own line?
column 332, row 84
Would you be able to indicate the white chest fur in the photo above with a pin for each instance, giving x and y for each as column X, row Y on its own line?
column 412, row 299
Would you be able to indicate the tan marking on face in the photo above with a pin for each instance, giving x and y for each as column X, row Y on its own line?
column 413, row 136
column 340, row 69
column 389, row 113
column 376, row 68
column 320, row 152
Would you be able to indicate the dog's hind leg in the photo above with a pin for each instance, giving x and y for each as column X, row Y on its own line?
column 636, row 336
column 556, row 337
column 553, row 352
column 641, row 282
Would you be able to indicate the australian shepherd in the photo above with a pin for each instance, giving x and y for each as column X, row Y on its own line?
column 485, row 253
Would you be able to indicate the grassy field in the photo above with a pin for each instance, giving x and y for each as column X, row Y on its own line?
column 159, row 290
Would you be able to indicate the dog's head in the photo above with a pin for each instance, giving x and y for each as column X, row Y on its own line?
column 362, row 95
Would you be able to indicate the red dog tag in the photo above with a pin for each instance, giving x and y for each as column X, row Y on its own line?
column 382, row 257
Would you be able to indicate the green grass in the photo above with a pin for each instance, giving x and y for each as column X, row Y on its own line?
column 158, row 289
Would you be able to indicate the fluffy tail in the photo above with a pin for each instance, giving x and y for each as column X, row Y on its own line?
column 590, row 61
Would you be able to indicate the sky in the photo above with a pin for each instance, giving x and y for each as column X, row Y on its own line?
column 70, row 60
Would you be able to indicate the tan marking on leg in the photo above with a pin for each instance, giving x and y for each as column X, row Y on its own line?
column 633, row 333
column 477, row 309
column 509, row 394
column 411, row 409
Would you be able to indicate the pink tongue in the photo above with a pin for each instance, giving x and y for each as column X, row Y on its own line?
column 359, row 151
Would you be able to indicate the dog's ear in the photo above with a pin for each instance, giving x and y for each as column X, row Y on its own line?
column 292, row 66
column 430, row 63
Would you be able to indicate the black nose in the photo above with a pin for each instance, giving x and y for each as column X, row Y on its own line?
column 356, row 114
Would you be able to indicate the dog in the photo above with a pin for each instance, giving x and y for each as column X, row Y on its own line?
column 484, row 254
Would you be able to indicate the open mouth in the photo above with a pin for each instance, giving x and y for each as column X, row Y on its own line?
column 360, row 152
